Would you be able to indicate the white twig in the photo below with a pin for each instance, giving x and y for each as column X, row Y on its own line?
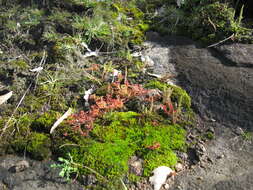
column 60, row 120
column 221, row 41
column 125, row 187
column 38, row 69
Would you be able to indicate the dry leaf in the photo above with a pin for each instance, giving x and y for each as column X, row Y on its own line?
column 5, row 97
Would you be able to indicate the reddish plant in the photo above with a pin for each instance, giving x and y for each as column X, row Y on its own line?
column 83, row 121
column 154, row 146
column 117, row 95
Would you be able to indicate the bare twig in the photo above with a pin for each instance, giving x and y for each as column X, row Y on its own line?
column 125, row 187
column 230, row 37
column 60, row 120
column 211, row 22
column 91, row 170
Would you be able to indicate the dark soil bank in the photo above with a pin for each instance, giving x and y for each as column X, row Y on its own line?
column 220, row 81
column 38, row 175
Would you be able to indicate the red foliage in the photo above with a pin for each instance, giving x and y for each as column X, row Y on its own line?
column 127, row 90
column 117, row 95
column 83, row 121
column 166, row 106
column 154, row 146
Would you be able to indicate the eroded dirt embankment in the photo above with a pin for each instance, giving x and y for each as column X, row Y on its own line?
column 220, row 82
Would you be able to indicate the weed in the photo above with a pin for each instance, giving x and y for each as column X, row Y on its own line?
column 67, row 167
column 247, row 136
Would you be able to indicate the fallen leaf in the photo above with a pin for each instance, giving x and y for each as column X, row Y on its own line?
column 5, row 97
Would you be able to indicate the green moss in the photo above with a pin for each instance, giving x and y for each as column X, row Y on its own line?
column 158, row 158
column 39, row 146
column 45, row 121
column 20, row 64
column 33, row 103
column 209, row 135
column 205, row 21
column 125, row 134
column 179, row 95
column 247, row 136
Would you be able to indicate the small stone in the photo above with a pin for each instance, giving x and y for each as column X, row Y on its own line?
column 239, row 131
column 135, row 166
column 89, row 180
column 179, row 167
column 209, row 160
column 211, row 129
column 166, row 186
column 201, row 148
column 19, row 166
column 220, row 156
column 183, row 156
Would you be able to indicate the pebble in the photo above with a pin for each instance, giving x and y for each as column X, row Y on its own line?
column 211, row 129
column 166, row 186
column 135, row 166
column 19, row 166
column 183, row 156
column 199, row 178
column 179, row 167
column 239, row 131
column 220, row 156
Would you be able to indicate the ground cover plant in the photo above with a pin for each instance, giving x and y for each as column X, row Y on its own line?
column 56, row 55
column 208, row 21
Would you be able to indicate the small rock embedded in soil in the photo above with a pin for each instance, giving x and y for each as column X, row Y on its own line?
column 239, row 131
column 135, row 166
column 179, row 167
column 19, row 166
column 160, row 175
column 89, row 180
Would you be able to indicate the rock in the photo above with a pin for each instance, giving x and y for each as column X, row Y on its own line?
column 220, row 156
column 135, row 166
column 200, row 149
column 166, row 186
column 160, row 175
column 19, row 166
column 89, row 180
column 179, row 167
column 238, row 54
column 183, row 156
column 199, row 178
column 161, row 64
column 211, row 129
column 239, row 131
column 39, row 175
column 220, row 79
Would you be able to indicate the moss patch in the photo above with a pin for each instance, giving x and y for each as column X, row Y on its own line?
column 111, row 145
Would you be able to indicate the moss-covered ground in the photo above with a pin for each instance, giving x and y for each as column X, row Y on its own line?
column 77, row 45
